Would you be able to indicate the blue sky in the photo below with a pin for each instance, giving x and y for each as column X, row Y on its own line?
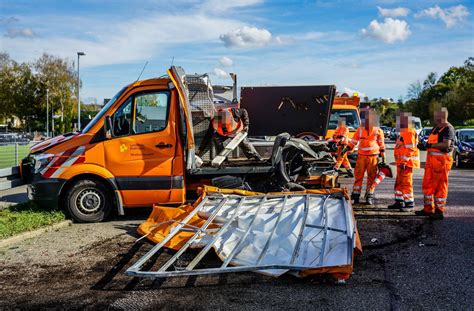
column 375, row 47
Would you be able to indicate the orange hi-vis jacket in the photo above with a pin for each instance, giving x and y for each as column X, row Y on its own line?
column 225, row 123
column 340, row 135
column 371, row 142
column 406, row 151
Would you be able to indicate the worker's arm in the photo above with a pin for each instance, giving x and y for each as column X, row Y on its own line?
column 355, row 139
column 244, row 116
column 381, row 143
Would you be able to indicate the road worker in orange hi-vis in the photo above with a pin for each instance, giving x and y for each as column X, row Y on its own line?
column 438, row 164
column 407, row 158
column 370, row 139
column 226, row 123
column 340, row 137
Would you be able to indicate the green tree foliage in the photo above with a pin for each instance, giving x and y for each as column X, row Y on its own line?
column 23, row 91
column 387, row 110
column 454, row 90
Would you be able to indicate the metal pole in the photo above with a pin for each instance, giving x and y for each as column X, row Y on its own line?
column 47, row 113
column 16, row 154
column 52, row 121
column 78, row 95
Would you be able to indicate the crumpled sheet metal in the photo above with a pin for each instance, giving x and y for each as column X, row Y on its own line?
column 276, row 235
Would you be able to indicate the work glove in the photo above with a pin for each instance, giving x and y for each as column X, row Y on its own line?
column 345, row 150
column 403, row 166
column 246, row 129
column 382, row 155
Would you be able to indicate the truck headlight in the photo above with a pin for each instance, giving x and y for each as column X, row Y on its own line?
column 41, row 161
column 466, row 148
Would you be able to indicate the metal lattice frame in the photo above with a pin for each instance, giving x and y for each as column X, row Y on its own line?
column 135, row 270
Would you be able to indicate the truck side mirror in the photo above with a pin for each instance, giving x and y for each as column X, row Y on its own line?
column 108, row 127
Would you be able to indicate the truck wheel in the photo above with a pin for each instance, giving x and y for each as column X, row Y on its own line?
column 88, row 201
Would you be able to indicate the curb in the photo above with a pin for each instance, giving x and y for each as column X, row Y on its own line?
column 31, row 234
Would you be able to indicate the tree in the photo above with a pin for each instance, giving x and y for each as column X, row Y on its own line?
column 59, row 78
column 454, row 90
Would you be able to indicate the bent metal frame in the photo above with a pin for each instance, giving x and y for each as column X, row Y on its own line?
column 219, row 201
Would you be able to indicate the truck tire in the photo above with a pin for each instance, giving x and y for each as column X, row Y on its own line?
column 88, row 200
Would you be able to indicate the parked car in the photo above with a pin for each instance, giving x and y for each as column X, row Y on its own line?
column 463, row 147
column 393, row 134
column 423, row 137
column 417, row 124
column 386, row 130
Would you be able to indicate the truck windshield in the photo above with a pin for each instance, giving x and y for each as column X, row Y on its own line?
column 352, row 120
column 102, row 111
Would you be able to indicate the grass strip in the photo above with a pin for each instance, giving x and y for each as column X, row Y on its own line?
column 26, row 217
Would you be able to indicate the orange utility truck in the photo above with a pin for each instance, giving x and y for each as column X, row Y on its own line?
column 139, row 150
column 347, row 107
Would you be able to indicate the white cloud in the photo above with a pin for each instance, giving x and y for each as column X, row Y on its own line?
column 248, row 37
column 20, row 32
column 226, row 61
column 8, row 20
column 450, row 16
column 220, row 73
column 390, row 31
column 395, row 12
column 118, row 42
column 222, row 6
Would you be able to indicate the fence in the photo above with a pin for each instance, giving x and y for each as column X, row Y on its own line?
column 11, row 153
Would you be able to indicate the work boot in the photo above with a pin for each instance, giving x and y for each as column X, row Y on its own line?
column 259, row 158
column 409, row 206
column 397, row 205
column 438, row 215
column 423, row 213
column 355, row 197
column 350, row 173
column 369, row 199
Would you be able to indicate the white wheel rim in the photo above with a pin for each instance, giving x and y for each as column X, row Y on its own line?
column 89, row 201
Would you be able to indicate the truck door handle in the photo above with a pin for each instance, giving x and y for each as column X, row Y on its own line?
column 163, row 145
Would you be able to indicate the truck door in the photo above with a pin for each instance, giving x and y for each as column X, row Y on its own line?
column 144, row 153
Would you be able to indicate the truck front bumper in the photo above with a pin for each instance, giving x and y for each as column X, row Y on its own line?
column 46, row 192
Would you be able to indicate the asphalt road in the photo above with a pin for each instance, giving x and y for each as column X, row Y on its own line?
column 409, row 262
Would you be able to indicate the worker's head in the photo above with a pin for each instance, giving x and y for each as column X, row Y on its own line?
column 404, row 120
column 440, row 116
column 369, row 118
column 341, row 122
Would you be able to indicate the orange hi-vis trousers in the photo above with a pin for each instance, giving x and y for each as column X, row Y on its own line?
column 404, row 185
column 342, row 159
column 365, row 163
column 435, row 181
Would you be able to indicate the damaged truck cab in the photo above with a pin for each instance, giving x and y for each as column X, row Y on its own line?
column 139, row 150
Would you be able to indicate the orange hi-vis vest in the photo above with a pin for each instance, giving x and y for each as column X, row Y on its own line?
column 434, row 139
column 406, row 151
column 370, row 142
column 225, row 124
column 340, row 135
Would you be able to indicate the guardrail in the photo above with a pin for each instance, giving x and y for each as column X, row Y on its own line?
column 10, row 177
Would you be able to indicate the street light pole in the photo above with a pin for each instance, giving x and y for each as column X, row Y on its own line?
column 47, row 113
column 79, row 92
